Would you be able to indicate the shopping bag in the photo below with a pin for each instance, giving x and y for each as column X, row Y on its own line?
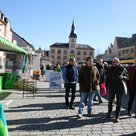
column 103, row 89
column 125, row 86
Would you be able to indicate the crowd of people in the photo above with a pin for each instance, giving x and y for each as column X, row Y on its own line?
column 91, row 76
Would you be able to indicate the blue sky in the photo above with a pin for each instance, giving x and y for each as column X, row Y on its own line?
column 44, row 22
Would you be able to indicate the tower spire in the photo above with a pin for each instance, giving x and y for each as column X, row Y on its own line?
column 73, row 33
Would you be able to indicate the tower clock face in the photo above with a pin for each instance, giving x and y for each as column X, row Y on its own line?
column 72, row 45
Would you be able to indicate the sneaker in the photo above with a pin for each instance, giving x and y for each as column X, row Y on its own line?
column 129, row 113
column 95, row 100
column 117, row 120
column 71, row 107
column 79, row 115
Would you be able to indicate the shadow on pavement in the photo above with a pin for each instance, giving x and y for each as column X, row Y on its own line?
column 47, row 124
column 38, row 107
column 124, row 103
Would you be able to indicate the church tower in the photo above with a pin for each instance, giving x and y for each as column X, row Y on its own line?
column 72, row 41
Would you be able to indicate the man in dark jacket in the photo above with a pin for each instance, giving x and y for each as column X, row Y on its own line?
column 132, row 88
column 89, row 79
column 116, row 74
column 70, row 77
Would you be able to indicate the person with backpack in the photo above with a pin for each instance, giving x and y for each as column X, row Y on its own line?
column 70, row 77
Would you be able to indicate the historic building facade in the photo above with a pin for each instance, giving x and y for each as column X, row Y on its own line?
column 61, row 52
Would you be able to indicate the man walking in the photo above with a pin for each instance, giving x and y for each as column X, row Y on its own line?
column 70, row 77
column 100, row 67
column 89, row 79
column 116, row 74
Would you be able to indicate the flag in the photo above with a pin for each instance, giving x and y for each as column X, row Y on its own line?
column 3, row 123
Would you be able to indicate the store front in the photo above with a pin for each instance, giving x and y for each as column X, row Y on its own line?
column 13, row 62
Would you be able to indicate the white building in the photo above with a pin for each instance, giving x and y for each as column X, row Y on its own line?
column 61, row 52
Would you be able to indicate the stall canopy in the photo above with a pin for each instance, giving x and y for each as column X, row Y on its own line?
column 5, row 45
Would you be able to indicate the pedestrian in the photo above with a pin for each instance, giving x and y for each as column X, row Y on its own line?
column 116, row 74
column 42, row 70
column 89, row 79
column 57, row 68
column 70, row 77
column 101, row 69
column 132, row 88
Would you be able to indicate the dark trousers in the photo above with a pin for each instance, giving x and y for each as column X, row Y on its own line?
column 72, row 87
column 132, row 95
column 112, row 95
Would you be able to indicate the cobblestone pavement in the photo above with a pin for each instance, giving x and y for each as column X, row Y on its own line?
column 46, row 115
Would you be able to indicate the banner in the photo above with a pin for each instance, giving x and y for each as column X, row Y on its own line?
column 55, row 80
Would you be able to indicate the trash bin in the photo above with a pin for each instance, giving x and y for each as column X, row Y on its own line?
column 1, row 77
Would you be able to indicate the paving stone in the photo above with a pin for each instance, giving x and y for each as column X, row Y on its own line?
column 45, row 115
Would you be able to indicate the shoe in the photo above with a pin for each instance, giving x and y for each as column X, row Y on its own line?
column 117, row 120
column 129, row 113
column 89, row 115
column 67, row 107
column 71, row 107
column 100, row 102
column 79, row 115
column 95, row 100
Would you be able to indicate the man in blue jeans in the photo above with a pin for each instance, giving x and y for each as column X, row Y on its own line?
column 101, row 69
column 89, row 79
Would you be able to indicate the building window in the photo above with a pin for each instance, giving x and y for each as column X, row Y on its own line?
column 123, row 52
column 58, row 57
column 78, row 53
column 127, row 51
column 65, row 51
column 65, row 57
column 72, row 52
column 90, row 53
column 52, row 51
column 78, row 58
column 84, row 53
column 59, row 51
column 52, row 57
column 72, row 40
column 119, row 53
column 132, row 50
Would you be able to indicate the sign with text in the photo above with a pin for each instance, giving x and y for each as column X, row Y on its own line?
column 55, row 80
column 47, row 75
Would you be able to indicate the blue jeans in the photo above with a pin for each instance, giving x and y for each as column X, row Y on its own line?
column 84, row 97
column 97, row 94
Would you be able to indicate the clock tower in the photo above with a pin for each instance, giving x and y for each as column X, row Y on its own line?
column 72, row 42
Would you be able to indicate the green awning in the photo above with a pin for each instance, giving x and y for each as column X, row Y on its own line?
column 5, row 45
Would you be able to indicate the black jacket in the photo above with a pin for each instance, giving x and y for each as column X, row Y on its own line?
column 114, row 82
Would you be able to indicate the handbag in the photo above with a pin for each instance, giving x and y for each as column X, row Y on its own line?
column 103, row 90
column 125, row 86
